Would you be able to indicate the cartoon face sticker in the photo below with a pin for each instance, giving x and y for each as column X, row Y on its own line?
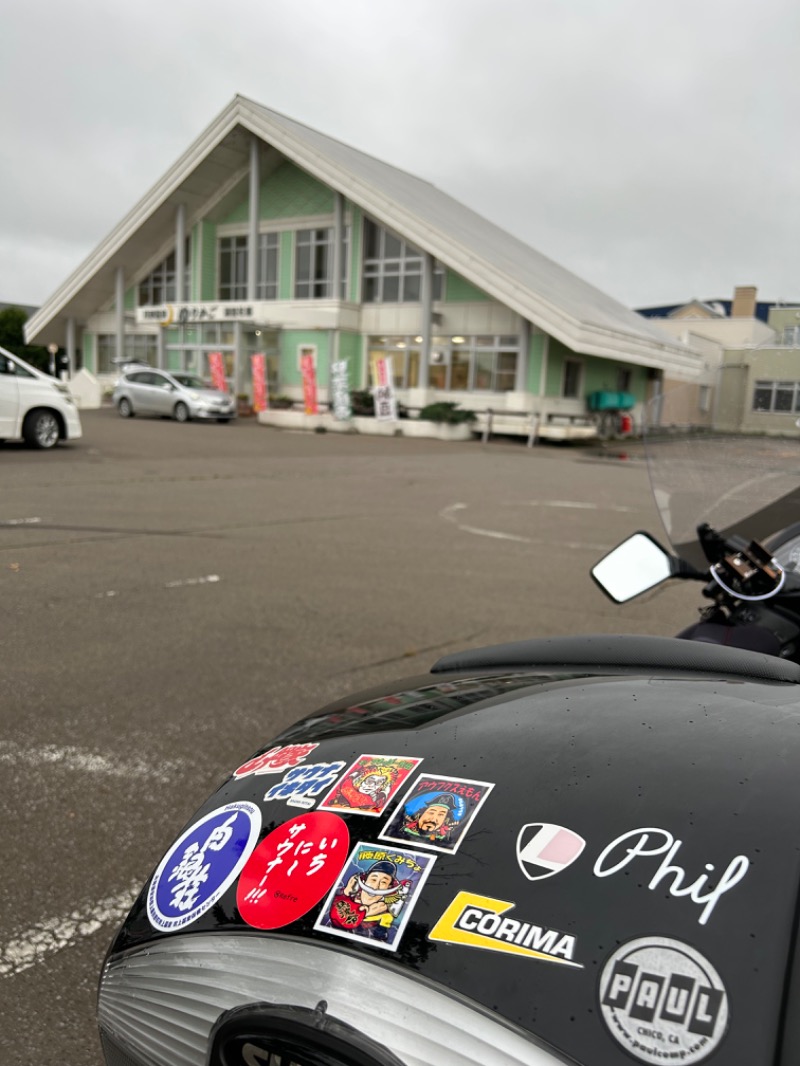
column 375, row 894
column 436, row 812
column 369, row 784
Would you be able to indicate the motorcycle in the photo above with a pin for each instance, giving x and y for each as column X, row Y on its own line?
column 576, row 850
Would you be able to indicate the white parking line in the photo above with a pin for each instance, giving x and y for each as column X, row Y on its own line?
column 449, row 514
column 20, row 521
column 210, row 579
column 52, row 935
column 83, row 761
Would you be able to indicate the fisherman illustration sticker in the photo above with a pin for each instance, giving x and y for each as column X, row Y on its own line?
column 544, row 849
column 663, row 1001
column 201, row 865
column 292, row 869
column 436, row 812
column 369, row 784
column 375, row 895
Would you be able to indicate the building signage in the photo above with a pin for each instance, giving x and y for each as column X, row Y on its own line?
column 383, row 389
column 217, row 368
column 340, row 390
column 258, row 364
column 308, row 355
column 185, row 314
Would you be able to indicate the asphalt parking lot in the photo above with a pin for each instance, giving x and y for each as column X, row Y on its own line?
column 174, row 594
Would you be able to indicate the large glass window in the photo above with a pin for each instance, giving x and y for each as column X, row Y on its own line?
column 139, row 348
column 782, row 397
column 313, row 271
column 233, row 268
column 268, row 245
column 159, row 286
column 486, row 363
column 573, row 375
column 393, row 268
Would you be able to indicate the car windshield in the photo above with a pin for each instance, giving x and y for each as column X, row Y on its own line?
column 190, row 381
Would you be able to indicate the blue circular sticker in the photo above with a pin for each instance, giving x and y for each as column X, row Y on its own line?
column 201, row 865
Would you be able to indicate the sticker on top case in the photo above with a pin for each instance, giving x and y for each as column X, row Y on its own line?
column 369, row 784
column 201, row 865
column 302, row 784
column 292, row 869
column 436, row 812
column 375, row 895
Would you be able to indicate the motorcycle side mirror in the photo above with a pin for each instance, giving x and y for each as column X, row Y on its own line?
column 634, row 566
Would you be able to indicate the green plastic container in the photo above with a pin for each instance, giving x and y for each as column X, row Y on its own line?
column 611, row 401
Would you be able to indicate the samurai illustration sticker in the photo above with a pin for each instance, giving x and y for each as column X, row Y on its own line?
column 201, row 865
column 436, row 812
column 375, row 895
column 302, row 783
column 369, row 784
column 292, row 869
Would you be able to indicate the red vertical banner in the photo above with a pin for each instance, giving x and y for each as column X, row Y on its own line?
column 309, row 372
column 259, row 367
column 216, row 365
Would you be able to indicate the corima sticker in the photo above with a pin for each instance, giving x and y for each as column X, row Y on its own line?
column 483, row 922
column 544, row 849
column 201, row 865
column 663, row 1001
column 436, row 812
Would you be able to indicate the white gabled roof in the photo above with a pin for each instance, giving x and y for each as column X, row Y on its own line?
column 550, row 297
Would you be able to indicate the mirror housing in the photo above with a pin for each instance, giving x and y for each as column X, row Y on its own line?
column 636, row 565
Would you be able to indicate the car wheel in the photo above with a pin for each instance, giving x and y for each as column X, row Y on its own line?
column 41, row 429
column 125, row 408
column 181, row 412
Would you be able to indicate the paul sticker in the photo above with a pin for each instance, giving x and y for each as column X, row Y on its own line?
column 436, row 812
column 369, row 784
column 375, row 895
column 292, row 869
column 662, row 1000
column 201, row 865
column 544, row 849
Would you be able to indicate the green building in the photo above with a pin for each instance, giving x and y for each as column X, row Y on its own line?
column 269, row 237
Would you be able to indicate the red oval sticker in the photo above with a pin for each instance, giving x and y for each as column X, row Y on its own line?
column 292, row 869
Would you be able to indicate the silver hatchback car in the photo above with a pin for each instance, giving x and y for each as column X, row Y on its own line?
column 143, row 390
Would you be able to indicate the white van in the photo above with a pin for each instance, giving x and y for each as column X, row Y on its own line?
column 34, row 407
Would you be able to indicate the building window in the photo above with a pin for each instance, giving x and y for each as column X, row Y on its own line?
column 393, row 268
column 139, row 348
column 313, row 269
column 267, row 288
column 573, row 375
column 485, row 363
column 233, row 268
column 159, row 286
column 790, row 338
column 777, row 397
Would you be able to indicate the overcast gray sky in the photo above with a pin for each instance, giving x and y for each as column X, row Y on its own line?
column 649, row 147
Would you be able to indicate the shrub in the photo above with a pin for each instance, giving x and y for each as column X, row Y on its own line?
column 447, row 412
column 362, row 402
column 281, row 403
